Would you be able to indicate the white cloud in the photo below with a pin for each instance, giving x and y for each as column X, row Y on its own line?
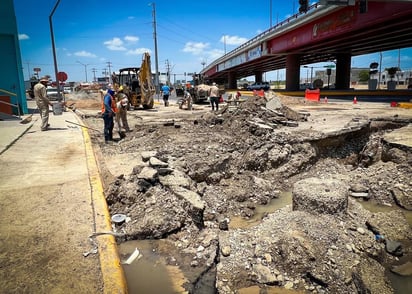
column 215, row 54
column 84, row 54
column 138, row 51
column 233, row 40
column 195, row 48
column 131, row 39
column 23, row 37
column 115, row 44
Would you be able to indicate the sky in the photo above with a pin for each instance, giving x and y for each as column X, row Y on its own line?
column 92, row 37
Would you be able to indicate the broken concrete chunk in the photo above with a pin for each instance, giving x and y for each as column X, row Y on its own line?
column 147, row 173
column 154, row 162
column 359, row 188
column 146, row 155
column 192, row 197
column 314, row 195
column 177, row 178
column 394, row 248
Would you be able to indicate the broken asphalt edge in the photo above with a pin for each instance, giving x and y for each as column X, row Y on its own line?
column 114, row 280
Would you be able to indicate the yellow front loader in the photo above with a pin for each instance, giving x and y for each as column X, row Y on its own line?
column 137, row 84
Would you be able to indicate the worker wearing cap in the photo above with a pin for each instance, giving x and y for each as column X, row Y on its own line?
column 121, row 114
column 42, row 102
column 214, row 96
column 108, row 112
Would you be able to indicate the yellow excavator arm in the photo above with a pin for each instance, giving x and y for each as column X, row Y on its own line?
column 147, row 87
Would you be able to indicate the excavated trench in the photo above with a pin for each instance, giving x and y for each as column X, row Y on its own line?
column 347, row 155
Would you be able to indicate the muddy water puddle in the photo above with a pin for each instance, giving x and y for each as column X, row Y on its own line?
column 149, row 273
column 400, row 284
column 284, row 199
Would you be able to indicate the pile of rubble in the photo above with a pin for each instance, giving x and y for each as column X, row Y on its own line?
column 191, row 177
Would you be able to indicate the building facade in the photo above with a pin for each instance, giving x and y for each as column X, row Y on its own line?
column 12, row 88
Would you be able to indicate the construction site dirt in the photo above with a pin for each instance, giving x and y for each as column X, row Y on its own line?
column 194, row 182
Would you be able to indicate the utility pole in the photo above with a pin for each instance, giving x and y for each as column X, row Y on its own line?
column 85, row 68
column 28, row 69
column 270, row 16
column 94, row 74
column 155, row 45
column 109, row 64
column 168, row 71
column 54, row 50
column 104, row 72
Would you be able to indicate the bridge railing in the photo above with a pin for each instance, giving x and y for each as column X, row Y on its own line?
column 263, row 34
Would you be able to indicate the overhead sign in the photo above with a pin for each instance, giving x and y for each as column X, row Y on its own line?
column 62, row 76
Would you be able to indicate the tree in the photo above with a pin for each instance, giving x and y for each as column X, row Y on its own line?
column 392, row 71
column 363, row 76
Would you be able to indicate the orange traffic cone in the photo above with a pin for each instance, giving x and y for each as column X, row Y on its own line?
column 325, row 99
column 355, row 100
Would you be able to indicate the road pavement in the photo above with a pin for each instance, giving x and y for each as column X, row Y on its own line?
column 51, row 206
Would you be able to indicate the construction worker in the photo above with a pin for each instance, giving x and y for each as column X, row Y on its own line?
column 108, row 112
column 42, row 102
column 214, row 96
column 166, row 93
column 121, row 114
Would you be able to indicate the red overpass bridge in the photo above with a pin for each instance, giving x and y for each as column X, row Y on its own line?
column 324, row 33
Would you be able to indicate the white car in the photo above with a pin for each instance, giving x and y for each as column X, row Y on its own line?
column 52, row 93
column 67, row 90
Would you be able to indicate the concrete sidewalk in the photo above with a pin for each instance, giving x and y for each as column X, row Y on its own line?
column 51, row 207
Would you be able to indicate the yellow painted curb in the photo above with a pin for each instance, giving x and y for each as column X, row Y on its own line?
column 112, row 272
column 405, row 104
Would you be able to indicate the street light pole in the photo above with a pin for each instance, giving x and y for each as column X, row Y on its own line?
column 155, row 45
column 85, row 68
column 54, row 49
column 270, row 9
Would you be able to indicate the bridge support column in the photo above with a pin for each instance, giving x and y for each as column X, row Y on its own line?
column 258, row 76
column 292, row 72
column 232, row 84
column 343, row 63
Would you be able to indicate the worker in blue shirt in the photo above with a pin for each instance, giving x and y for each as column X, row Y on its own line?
column 166, row 93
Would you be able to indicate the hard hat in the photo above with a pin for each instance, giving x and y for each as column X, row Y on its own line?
column 121, row 88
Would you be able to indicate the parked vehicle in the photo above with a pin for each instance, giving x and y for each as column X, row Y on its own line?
column 52, row 93
column 67, row 90
column 259, row 86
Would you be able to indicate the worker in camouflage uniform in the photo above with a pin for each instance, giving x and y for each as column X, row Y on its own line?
column 42, row 102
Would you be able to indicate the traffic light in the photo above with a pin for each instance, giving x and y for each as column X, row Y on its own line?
column 303, row 5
